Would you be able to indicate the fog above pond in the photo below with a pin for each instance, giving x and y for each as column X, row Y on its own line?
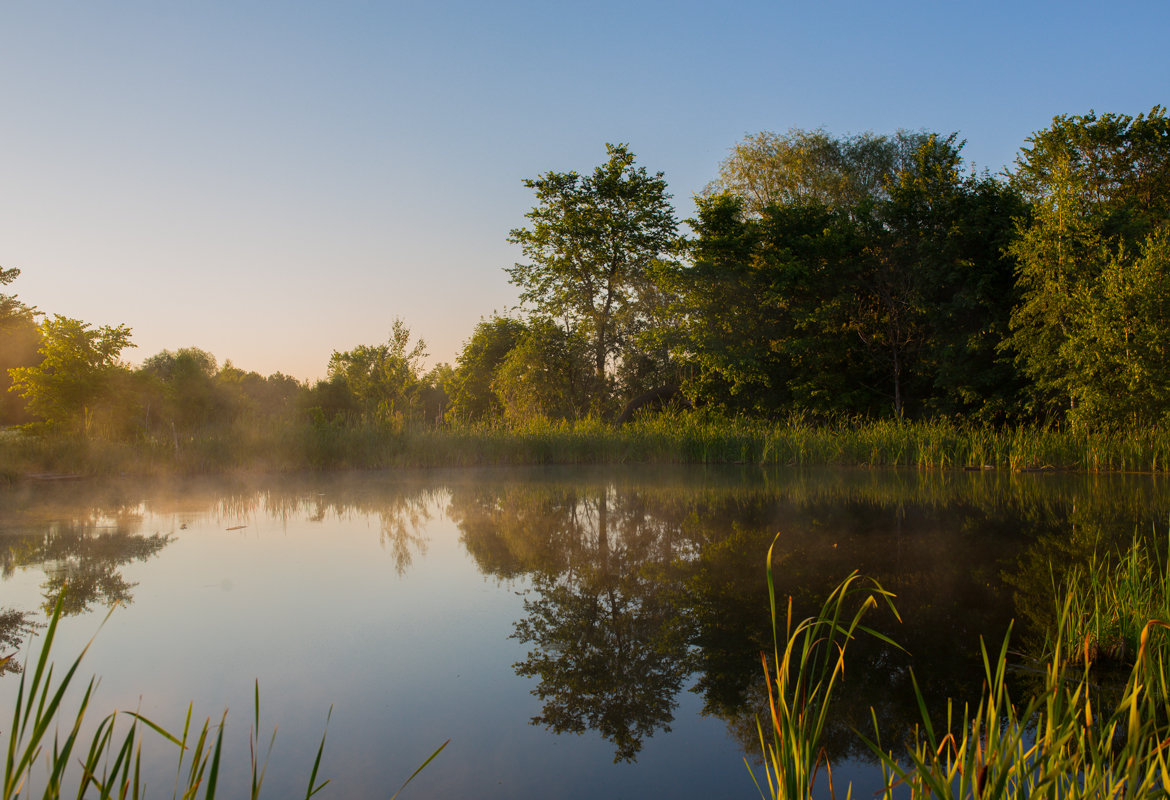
column 571, row 631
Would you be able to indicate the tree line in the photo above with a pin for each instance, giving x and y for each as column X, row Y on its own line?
column 862, row 276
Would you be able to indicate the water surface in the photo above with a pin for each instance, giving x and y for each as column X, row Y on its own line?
column 573, row 632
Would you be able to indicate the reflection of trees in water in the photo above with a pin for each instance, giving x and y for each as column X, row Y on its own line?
column 639, row 584
column 82, row 559
column 114, row 510
column 83, row 534
column 401, row 518
column 516, row 529
column 402, row 509
column 941, row 566
column 83, row 569
column 402, row 533
column 687, row 580
column 14, row 626
column 610, row 648
column 606, row 611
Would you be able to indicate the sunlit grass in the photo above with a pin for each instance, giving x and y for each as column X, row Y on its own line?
column 1062, row 741
column 684, row 437
column 1109, row 601
column 807, row 664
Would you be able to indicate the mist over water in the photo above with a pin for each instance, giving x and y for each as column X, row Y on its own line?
column 571, row 631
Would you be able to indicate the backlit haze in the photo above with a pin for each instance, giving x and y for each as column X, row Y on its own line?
column 271, row 181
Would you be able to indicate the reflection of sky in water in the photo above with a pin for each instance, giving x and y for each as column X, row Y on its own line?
column 319, row 613
column 356, row 599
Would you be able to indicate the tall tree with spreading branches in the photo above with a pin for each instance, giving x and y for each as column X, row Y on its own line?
column 590, row 247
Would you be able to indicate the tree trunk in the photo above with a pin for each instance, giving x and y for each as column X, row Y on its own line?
column 599, row 378
column 897, row 385
column 658, row 396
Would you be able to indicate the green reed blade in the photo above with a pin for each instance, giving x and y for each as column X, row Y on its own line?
column 421, row 767
column 313, row 788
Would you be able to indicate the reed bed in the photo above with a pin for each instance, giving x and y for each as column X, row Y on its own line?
column 696, row 437
column 1109, row 603
column 1062, row 741
column 1059, row 743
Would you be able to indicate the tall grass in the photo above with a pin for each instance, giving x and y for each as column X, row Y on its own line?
column 1109, row 603
column 805, row 673
column 682, row 437
column 1055, row 744
column 1062, row 741
column 108, row 764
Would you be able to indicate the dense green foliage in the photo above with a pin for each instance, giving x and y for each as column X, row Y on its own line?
column 79, row 377
column 862, row 277
column 380, row 383
column 813, row 167
column 591, row 246
column 475, row 397
column 1091, row 324
column 890, row 306
column 19, row 337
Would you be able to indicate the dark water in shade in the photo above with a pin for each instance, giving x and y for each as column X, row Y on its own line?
column 573, row 632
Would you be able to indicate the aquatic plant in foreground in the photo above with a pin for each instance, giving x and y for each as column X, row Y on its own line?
column 1110, row 603
column 110, row 763
column 1062, row 742
column 806, row 671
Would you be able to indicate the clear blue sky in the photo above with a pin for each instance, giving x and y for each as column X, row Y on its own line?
column 271, row 181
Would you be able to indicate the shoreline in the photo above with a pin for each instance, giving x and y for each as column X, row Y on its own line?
column 660, row 440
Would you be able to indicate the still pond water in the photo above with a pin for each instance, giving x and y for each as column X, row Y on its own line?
column 574, row 633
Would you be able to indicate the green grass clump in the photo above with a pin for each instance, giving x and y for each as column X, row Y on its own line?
column 805, row 672
column 1056, row 744
column 109, row 763
column 1110, row 602
column 1063, row 741
column 692, row 437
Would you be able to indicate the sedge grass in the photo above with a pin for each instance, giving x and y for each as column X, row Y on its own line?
column 1056, row 744
column 42, row 734
column 1062, row 741
column 805, row 672
column 1109, row 603
column 696, row 437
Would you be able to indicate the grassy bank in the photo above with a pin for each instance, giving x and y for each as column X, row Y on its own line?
column 682, row 438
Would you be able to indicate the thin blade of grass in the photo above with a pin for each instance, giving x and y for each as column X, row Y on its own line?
column 312, row 790
column 420, row 769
